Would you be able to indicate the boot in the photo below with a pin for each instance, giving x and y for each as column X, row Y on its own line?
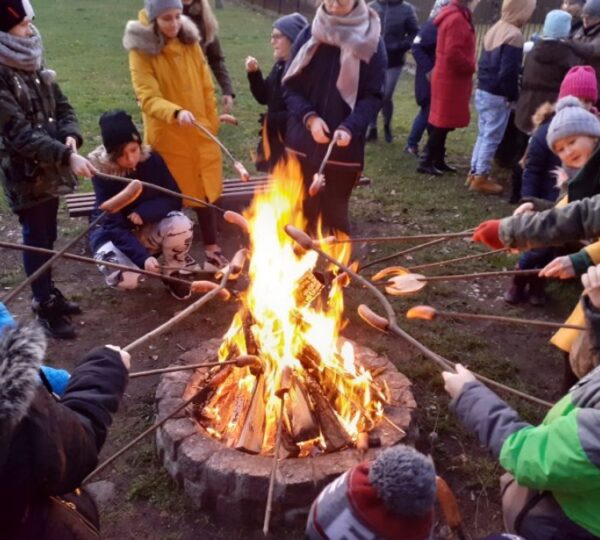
column 537, row 291
column 66, row 307
column 469, row 179
column 483, row 184
column 444, row 167
column 55, row 322
column 387, row 133
column 372, row 134
column 517, row 293
column 426, row 167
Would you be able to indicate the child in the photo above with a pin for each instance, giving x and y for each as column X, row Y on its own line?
column 152, row 224
column 39, row 136
column 552, row 485
column 391, row 498
column 48, row 446
column 539, row 179
column 269, row 92
column 173, row 95
column 498, row 88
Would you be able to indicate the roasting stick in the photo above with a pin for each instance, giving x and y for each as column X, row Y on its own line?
column 241, row 361
column 161, row 329
column 318, row 182
column 480, row 275
column 389, row 324
column 458, row 259
column 111, row 206
column 428, row 313
column 387, row 239
column 285, row 384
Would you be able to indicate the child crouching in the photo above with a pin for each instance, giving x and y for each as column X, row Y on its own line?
column 152, row 224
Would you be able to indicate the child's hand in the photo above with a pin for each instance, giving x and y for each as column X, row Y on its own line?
column 136, row 219
column 318, row 129
column 185, row 118
column 251, row 64
column 591, row 283
column 71, row 142
column 81, row 166
column 455, row 382
column 125, row 356
column 152, row 265
column 525, row 208
column 343, row 137
column 561, row 268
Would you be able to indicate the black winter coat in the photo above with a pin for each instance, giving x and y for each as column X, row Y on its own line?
column 423, row 51
column 54, row 447
column 269, row 92
column 35, row 120
column 314, row 90
column 586, row 43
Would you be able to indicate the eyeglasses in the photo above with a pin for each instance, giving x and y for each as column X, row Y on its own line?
column 276, row 37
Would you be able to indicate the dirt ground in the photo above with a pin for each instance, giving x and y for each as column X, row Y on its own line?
column 147, row 505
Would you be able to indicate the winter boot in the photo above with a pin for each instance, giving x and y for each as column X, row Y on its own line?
column 483, row 184
column 387, row 133
column 537, row 291
column 67, row 307
column 372, row 134
column 55, row 322
column 517, row 293
column 443, row 166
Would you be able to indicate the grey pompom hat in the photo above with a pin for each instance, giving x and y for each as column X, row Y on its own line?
column 572, row 119
column 155, row 7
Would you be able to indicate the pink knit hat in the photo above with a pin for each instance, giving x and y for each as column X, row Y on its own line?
column 580, row 82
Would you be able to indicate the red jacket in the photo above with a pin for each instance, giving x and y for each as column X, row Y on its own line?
column 452, row 79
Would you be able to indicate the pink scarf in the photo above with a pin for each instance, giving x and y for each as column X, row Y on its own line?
column 357, row 36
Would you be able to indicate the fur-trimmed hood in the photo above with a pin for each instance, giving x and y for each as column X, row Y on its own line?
column 22, row 349
column 140, row 35
column 100, row 159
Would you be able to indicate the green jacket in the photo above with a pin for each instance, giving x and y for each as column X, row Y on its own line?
column 35, row 120
column 561, row 455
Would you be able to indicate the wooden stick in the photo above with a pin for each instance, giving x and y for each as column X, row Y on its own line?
column 480, row 275
column 242, row 361
column 13, row 294
column 386, row 239
column 89, row 260
column 389, row 322
column 458, row 259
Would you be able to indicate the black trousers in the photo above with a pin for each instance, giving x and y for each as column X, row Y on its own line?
column 435, row 150
column 208, row 224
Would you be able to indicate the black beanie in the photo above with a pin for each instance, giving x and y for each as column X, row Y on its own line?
column 117, row 129
column 12, row 12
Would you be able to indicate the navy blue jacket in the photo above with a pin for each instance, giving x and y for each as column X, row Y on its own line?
column 399, row 27
column 152, row 206
column 423, row 50
column 314, row 90
column 499, row 71
column 538, row 177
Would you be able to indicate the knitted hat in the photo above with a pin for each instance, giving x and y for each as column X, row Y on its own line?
column 580, row 82
column 437, row 7
column 557, row 24
column 155, row 7
column 572, row 119
column 291, row 25
column 592, row 8
column 117, row 129
column 12, row 12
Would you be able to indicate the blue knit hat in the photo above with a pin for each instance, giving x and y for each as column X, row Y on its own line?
column 557, row 24
column 572, row 119
column 291, row 25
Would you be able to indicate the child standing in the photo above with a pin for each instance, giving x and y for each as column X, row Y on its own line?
column 39, row 140
column 269, row 92
column 498, row 89
column 152, row 224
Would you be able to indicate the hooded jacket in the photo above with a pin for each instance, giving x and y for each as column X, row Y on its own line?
column 169, row 76
column 47, row 446
column 452, row 78
column 502, row 55
column 151, row 205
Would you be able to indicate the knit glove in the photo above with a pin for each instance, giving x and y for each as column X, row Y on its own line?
column 488, row 233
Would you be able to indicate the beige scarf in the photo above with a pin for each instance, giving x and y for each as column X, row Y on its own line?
column 357, row 36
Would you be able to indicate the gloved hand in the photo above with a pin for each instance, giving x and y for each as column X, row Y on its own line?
column 125, row 356
column 152, row 265
column 591, row 283
column 488, row 233
column 455, row 382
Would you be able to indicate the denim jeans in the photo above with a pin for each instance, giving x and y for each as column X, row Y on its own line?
column 419, row 126
column 392, row 76
column 493, row 117
column 39, row 228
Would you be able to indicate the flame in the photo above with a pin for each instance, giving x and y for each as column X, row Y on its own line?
column 280, row 325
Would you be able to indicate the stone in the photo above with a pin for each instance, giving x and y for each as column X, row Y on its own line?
column 172, row 434
column 167, row 405
column 102, row 491
column 170, row 389
column 193, row 453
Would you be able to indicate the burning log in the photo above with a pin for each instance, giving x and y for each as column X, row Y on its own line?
column 240, row 413
column 247, row 323
column 301, row 422
column 252, row 433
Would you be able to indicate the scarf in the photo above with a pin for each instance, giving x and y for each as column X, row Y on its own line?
column 357, row 36
column 21, row 53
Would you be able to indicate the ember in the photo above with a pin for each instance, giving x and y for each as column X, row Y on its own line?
column 291, row 317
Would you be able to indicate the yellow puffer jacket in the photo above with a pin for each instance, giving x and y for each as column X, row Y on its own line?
column 168, row 76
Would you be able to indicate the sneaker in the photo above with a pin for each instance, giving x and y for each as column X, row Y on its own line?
column 214, row 261
column 191, row 266
column 387, row 134
column 181, row 291
column 65, row 306
column 372, row 134
column 412, row 150
column 483, row 184
column 56, row 323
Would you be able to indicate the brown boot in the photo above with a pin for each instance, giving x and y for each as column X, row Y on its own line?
column 483, row 184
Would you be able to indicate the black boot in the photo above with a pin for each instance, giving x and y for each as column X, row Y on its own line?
column 517, row 294
column 444, row 167
column 54, row 321
column 537, row 291
column 67, row 307
column 372, row 134
column 387, row 133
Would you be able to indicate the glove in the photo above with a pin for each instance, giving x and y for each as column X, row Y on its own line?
column 455, row 382
column 488, row 233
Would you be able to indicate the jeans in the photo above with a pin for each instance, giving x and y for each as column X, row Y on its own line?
column 493, row 117
column 392, row 76
column 419, row 126
column 39, row 229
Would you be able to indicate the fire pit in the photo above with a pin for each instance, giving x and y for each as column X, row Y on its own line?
column 316, row 400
